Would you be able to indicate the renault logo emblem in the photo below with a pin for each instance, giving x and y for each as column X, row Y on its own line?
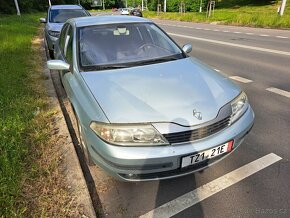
column 197, row 114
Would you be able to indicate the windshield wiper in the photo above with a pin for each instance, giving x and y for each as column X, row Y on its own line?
column 158, row 60
column 131, row 64
column 108, row 67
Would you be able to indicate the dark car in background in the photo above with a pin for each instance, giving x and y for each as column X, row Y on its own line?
column 136, row 12
column 57, row 15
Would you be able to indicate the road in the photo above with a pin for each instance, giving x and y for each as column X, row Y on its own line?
column 257, row 181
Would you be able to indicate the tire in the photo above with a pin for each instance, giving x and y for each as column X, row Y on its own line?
column 83, row 146
column 51, row 54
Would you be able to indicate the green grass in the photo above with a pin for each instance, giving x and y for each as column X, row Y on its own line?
column 32, row 179
column 232, row 14
column 19, row 99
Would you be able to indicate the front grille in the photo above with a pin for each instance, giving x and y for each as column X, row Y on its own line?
column 195, row 134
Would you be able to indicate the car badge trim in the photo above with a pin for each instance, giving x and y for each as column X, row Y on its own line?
column 197, row 114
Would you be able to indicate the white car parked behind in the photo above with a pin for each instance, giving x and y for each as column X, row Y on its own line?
column 124, row 11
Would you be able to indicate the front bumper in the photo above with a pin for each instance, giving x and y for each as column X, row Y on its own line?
column 50, row 40
column 163, row 162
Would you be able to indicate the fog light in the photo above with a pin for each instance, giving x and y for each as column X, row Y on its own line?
column 130, row 176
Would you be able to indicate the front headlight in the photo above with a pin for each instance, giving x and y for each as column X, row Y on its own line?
column 239, row 106
column 128, row 135
column 54, row 33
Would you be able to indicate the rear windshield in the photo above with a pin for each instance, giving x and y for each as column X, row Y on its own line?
column 124, row 45
column 62, row 15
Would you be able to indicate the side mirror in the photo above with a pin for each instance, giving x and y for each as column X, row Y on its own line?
column 42, row 20
column 187, row 48
column 57, row 65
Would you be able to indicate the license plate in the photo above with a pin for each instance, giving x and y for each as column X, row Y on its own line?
column 205, row 155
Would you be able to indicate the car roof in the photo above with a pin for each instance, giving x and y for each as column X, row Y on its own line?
column 66, row 7
column 100, row 20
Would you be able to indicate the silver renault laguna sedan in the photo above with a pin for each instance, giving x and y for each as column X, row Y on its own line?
column 145, row 109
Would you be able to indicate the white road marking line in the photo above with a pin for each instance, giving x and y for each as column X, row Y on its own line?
column 241, row 79
column 216, row 30
column 282, row 37
column 233, row 45
column 217, row 70
column 201, row 193
column 279, row 92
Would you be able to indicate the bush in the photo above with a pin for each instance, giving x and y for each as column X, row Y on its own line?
column 173, row 5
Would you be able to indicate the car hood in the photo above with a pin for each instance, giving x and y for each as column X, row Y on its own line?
column 164, row 92
column 55, row 26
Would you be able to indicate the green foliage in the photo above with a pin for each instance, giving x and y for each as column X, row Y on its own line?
column 133, row 3
column 192, row 5
column 8, row 7
column 26, row 6
column 18, row 101
column 256, row 16
column 174, row 5
column 239, row 3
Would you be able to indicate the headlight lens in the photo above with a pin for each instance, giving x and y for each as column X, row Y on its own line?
column 53, row 33
column 128, row 135
column 239, row 106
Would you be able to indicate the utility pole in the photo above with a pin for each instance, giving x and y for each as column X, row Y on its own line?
column 164, row 5
column 142, row 8
column 282, row 8
column 103, row 4
column 49, row 2
column 17, row 7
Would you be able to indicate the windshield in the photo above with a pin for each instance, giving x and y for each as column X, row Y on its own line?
column 124, row 45
column 62, row 15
